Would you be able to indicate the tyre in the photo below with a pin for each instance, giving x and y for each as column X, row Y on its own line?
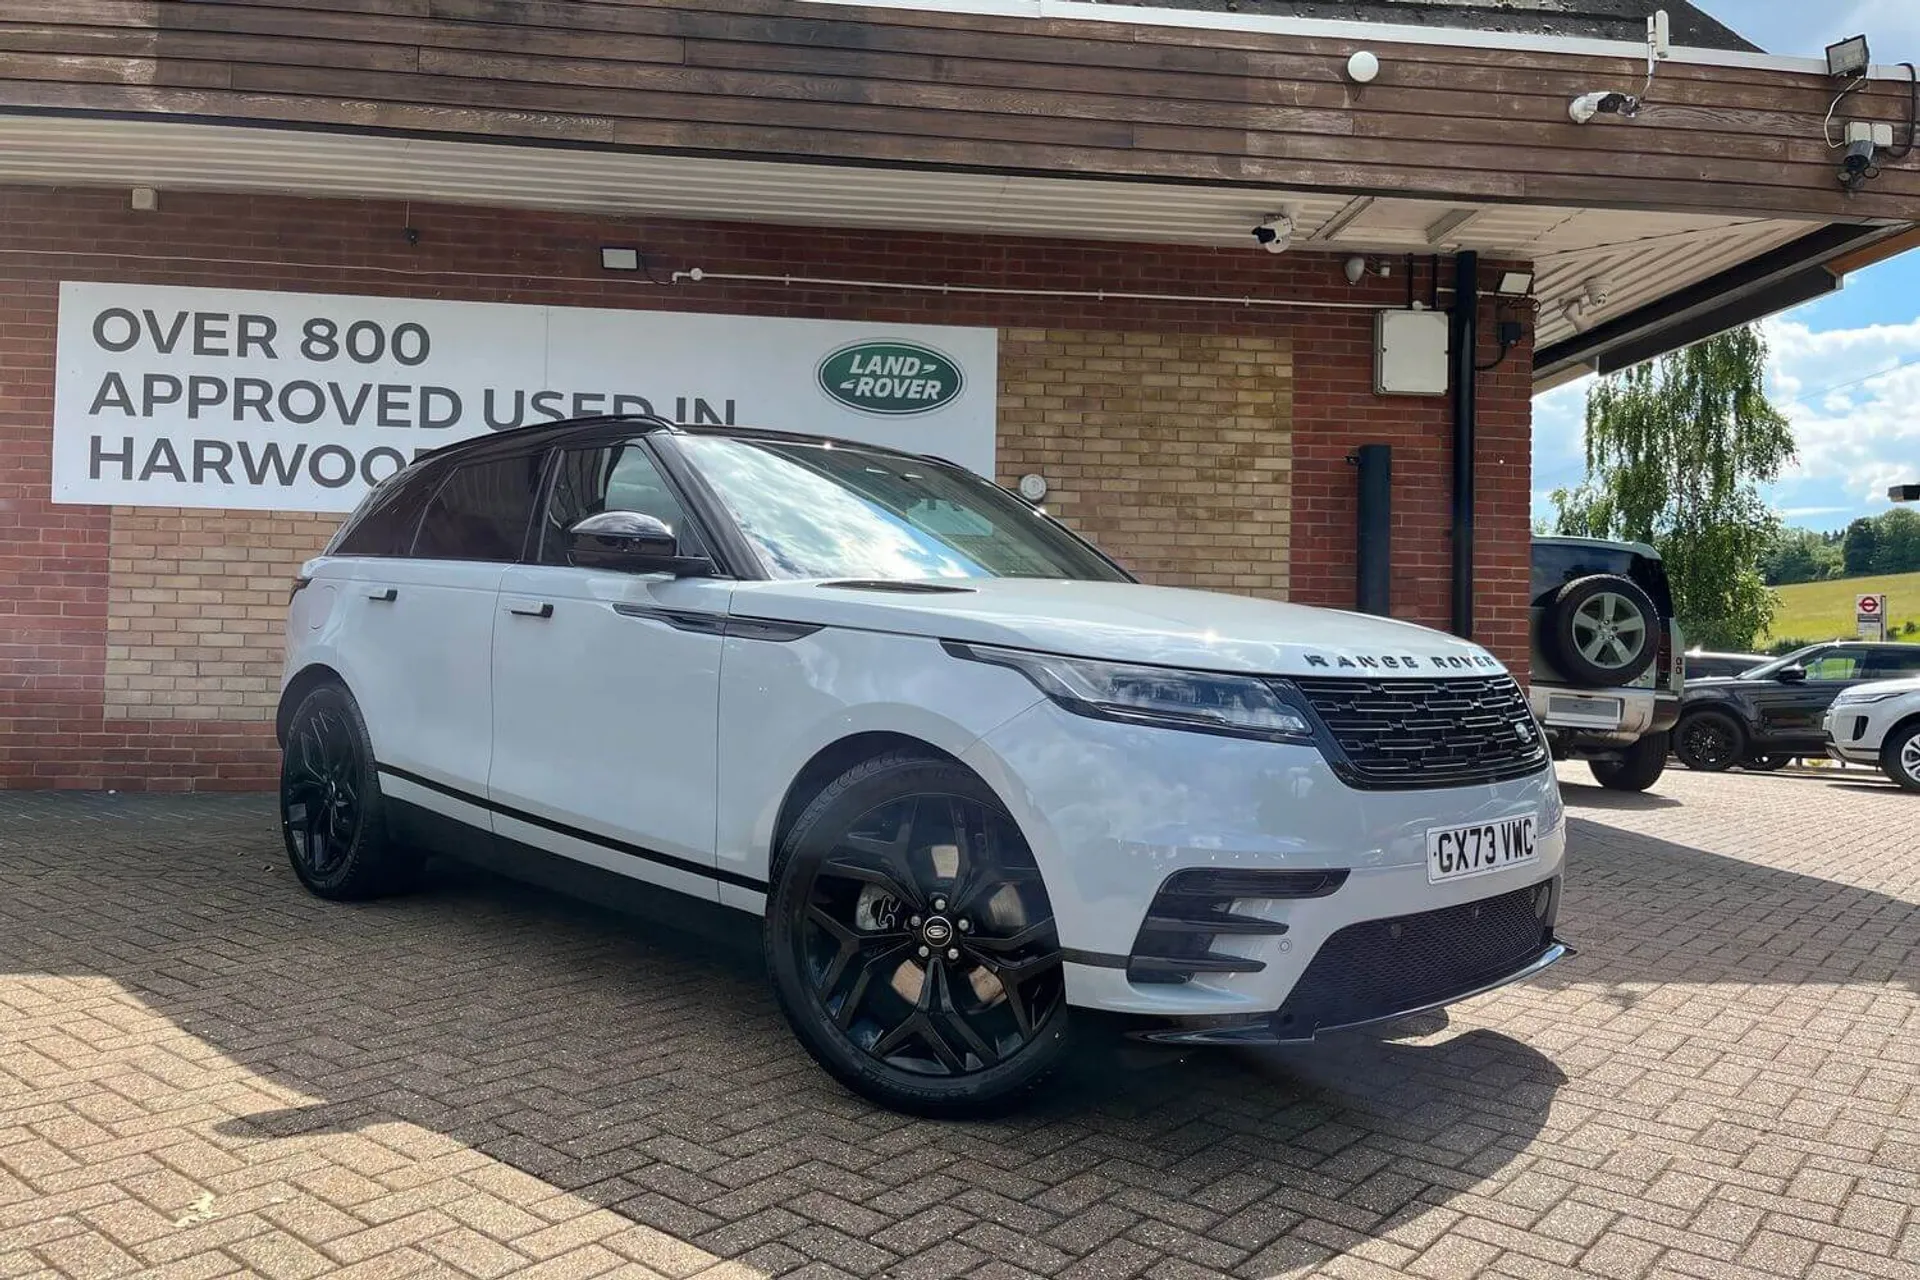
column 1602, row 631
column 1638, row 767
column 911, row 942
column 1766, row 764
column 1900, row 756
column 1711, row 741
column 330, row 805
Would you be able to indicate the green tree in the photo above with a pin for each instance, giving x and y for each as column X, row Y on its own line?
column 1677, row 450
column 1862, row 547
column 1797, row 555
column 1899, row 534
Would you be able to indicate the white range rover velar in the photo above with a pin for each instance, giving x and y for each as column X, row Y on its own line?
column 973, row 775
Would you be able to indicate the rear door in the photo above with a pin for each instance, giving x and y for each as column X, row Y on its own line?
column 423, row 639
column 606, row 688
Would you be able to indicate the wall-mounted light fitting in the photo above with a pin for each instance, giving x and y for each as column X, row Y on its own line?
column 1515, row 284
column 1033, row 487
column 1849, row 58
column 145, row 200
column 614, row 258
column 1363, row 67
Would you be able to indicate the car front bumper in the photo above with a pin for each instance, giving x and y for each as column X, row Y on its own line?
column 1855, row 731
column 1113, row 812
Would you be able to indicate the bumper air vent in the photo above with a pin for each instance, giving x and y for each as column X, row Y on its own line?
column 1195, row 906
column 1379, row 967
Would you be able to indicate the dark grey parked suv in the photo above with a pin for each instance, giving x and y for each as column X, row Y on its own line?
column 1607, row 665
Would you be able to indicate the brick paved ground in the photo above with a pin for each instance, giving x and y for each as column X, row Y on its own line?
column 204, row 1072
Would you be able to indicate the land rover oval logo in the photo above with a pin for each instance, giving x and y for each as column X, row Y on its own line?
column 891, row 378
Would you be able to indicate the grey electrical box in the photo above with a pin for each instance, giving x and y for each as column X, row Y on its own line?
column 1410, row 351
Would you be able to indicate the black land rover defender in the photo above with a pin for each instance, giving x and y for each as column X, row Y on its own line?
column 1607, row 658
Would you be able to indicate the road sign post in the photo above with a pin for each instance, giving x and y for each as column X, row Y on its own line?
column 1870, row 613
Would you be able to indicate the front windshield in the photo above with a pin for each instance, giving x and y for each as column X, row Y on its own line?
column 818, row 510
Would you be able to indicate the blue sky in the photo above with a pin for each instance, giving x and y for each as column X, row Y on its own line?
column 1845, row 369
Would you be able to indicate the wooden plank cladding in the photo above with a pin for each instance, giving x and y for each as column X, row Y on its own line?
column 768, row 79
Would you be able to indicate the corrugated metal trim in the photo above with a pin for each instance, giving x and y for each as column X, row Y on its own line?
column 1643, row 256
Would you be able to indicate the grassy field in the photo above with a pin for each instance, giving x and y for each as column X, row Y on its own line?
column 1824, row 610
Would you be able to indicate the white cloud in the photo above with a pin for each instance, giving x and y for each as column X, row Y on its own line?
column 1851, row 395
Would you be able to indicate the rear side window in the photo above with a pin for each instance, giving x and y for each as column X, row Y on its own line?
column 384, row 522
column 481, row 511
column 1892, row 664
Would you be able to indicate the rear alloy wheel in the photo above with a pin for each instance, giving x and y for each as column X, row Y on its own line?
column 330, row 804
column 1900, row 757
column 912, row 944
column 1710, row 741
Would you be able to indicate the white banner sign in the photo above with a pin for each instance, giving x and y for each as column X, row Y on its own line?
column 183, row 397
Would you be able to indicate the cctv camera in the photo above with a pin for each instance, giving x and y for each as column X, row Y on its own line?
column 1857, row 166
column 1598, row 293
column 1588, row 105
column 1275, row 234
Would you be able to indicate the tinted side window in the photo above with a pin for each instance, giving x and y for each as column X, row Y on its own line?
column 617, row 477
column 1891, row 664
column 481, row 511
column 384, row 522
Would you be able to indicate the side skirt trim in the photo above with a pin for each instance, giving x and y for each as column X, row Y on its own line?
column 719, row 874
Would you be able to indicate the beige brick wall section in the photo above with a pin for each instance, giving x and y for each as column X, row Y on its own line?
column 1172, row 451
column 196, row 602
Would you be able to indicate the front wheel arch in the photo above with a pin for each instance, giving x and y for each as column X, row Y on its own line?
column 833, row 760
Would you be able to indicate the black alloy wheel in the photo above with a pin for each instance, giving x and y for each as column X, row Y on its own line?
column 1710, row 741
column 912, row 944
column 330, row 804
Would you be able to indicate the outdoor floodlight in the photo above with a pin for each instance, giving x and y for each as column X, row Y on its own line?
column 1849, row 58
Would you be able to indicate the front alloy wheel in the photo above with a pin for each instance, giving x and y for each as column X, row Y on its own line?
column 912, row 943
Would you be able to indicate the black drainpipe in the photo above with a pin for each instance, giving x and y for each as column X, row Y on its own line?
column 1465, row 345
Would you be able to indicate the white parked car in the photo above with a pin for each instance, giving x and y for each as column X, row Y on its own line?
column 974, row 776
column 1879, row 724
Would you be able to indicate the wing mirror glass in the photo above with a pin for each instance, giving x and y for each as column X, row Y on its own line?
column 630, row 542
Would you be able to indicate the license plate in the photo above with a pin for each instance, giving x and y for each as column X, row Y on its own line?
column 1460, row 853
column 1585, row 713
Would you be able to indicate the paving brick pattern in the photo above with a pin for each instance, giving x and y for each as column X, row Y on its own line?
column 203, row 1072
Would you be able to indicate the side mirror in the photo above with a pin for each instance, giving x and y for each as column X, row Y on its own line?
column 630, row 542
column 1795, row 674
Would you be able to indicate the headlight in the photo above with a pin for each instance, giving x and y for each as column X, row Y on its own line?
column 1861, row 699
column 1241, row 706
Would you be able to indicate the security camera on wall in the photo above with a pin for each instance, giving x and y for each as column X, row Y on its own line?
column 1275, row 234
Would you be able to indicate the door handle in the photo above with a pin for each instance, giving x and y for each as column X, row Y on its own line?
column 543, row 610
column 385, row 597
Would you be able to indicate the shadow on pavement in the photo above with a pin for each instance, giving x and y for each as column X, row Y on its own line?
column 1581, row 796
column 647, row 1071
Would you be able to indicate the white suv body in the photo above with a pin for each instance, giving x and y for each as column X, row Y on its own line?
column 1241, row 821
column 1878, row 724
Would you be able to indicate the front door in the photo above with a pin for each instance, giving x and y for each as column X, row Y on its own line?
column 606, row 687
column 1793, row 711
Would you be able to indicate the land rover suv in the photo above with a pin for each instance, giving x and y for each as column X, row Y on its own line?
column 1608, row 663
column 975, row 777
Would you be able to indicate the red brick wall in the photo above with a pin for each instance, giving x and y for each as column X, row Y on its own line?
column 54, row 561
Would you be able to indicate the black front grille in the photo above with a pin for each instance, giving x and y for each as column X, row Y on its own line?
column 1410, row 734
column 1382, row 967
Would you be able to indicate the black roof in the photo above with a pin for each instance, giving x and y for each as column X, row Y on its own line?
column 546, row 434
column 1588, row 19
